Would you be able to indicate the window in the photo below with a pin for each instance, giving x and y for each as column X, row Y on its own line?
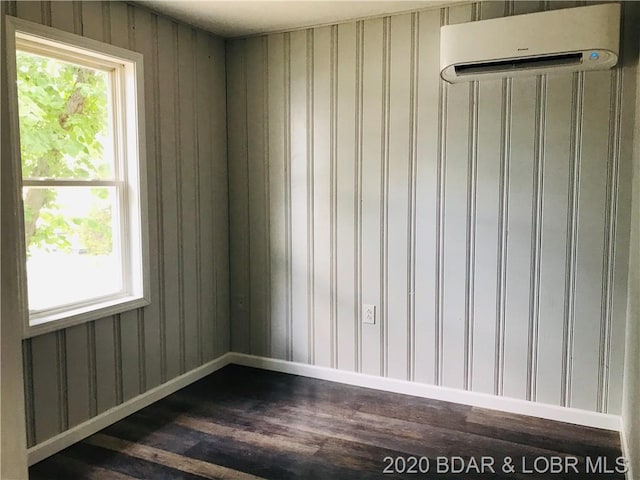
column 78, row 123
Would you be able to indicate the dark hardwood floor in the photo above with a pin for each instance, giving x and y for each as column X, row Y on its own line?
column 243, row 423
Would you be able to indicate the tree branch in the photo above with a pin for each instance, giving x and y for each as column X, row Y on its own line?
column 36, row 198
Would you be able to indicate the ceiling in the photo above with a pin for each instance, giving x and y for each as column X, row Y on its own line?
column 250, row 17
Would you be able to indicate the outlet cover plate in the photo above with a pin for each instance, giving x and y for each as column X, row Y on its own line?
column 369, row 314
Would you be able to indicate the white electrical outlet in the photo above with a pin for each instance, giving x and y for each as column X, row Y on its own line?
column 369, row 314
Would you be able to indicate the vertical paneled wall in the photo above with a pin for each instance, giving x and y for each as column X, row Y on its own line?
column 488, row 222
column 77, row 373
column 631, row 391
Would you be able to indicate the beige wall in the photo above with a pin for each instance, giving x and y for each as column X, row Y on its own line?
column 77, row 373
column 488, row 222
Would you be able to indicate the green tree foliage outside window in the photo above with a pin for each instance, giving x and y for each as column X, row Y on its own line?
column 64, row 125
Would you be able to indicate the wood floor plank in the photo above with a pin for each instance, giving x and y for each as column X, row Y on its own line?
column 543, row 429
column 169, row 459
column 121, row 463
column 269, row 463
column 61, row 466
column 238, row 418
column 153, row 432
column 257, row 439
column 355, row 455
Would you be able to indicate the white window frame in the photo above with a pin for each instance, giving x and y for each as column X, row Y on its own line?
column 128, row 94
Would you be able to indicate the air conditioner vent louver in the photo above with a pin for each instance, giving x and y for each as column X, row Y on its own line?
column 519, row 63
column 571, row 39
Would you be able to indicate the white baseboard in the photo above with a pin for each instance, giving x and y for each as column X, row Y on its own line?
column 95, row 424
column 511, row 405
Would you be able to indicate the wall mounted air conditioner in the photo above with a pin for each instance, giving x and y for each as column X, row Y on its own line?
column 571, row 39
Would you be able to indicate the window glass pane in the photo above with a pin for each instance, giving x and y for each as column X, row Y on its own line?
column 65, row 119
column 73, row 245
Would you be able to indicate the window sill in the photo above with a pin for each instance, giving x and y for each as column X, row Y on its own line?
column 86, row 313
